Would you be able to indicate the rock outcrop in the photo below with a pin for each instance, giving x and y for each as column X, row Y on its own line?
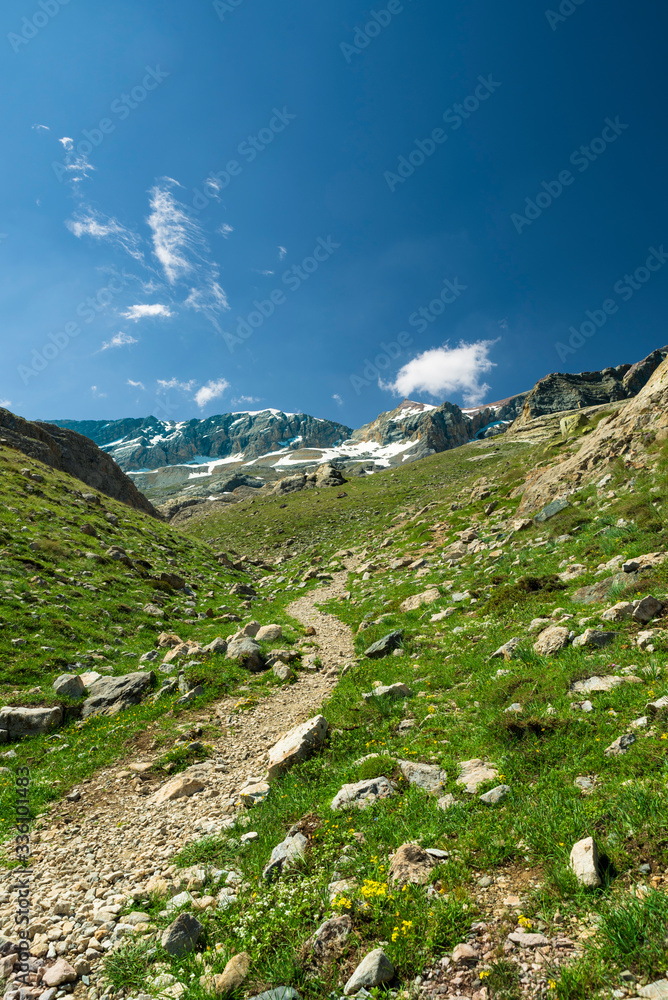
column 644, row 418
column 71, row 452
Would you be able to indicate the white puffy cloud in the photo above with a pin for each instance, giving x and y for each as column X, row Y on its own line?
column 337, row 399
column 212, row 390
column 446, row 370
column 145, row 310
column 119, row 340
column 5, row 403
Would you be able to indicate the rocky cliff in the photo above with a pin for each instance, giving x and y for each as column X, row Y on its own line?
column 74, row 453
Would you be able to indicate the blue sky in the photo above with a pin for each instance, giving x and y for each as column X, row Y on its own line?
column 325, row 207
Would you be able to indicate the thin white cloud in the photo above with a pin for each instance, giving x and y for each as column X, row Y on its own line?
column 75, row 164
column 96, row 392
column 444, row 370
column 145, row 310
column 245, row 399
column 208, row 299
column 212, row 390
column 282, row 253
column 67, row 143
column 5, row 403
column 337, row 399
column 39, row 128
column 100, row 227
column 175, row 383
column 176, row 236
column 119, row 340
column 225, row 230
column 136, row 385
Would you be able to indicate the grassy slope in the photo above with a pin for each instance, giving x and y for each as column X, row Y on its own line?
column 539, row 753
column 462, row 715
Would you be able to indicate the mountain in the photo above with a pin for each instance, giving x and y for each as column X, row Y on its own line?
column 230, row 456
column 74, row 453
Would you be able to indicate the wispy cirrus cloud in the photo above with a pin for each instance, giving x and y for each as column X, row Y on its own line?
column 212, row 390
column 96, row 392
column 100, row 227
column 146, row 311
column 225, row 230
column 282, row 253
column 176, row 383
column 136, row 385
column 76, row 164
column 444, row 370
column 119, row 340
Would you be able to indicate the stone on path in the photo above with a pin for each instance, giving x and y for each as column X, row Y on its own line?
column 61, row 972
column 182, row 935
column 584, row 862
column 475, row 772
column 552, row 640
column 362, row 793
column 373, row 970
column 384, row 646
column 283, row 672
column 297, row 745
column 177, row 788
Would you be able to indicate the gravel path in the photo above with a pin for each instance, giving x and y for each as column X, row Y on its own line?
column 91, row 855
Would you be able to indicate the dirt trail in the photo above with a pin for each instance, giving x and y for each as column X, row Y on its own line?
column 89, row 856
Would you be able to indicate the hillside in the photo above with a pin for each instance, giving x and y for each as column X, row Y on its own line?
column 494, row 686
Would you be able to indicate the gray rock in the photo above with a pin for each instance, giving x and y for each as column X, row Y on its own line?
column 429, row 777
column 283, row 672
column 473, row 773
column 658, row 990
column 182, row 935
column 389, row 691
column 113, row 694
column 247, row 653
column 373, row 970
column 69, row 686
column 596, row 684
column 279, row 993
column 593, row 637
column 551, row 509
column 585, row 784
column 647, row 609
column 284, row 854
column 620, row 745
column 384, row 646
column 496, row 795
column 190, row 696
column 658, row 709
column 363, row 793
column 217, row 645
column 20, row 722
column 619, row 612
column 526, row 940
column 328, row 941
column 507, row 651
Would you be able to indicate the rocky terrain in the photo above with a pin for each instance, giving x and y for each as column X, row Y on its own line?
column 73, row 453
column 404, row 736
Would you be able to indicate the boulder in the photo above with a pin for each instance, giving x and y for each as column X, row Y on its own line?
column 69, row 686
column 361, row 794
column 292, row 849
column 551, row 640
column 373, row 970
column 283, row 672
column 328, row 941
column 217, row 645
column 410, row 864
column 113, row 694
column 507, row 651
column 658, row 709
column 429, row 777
column 647, row 609
column 592, row 684
column 234, row 973
column 619, row 612
column 658, row 990
column 247, row 653
column 417, row 600
column 269, row 633
column 182, row 935
column 594, row 637
column 384, row 646
column 584, row 862
column 20, row 722
column 620, row 746
column 550, row 509
column 390, row 692
column 297, row 745
column 475, row 772
column 496, row 795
